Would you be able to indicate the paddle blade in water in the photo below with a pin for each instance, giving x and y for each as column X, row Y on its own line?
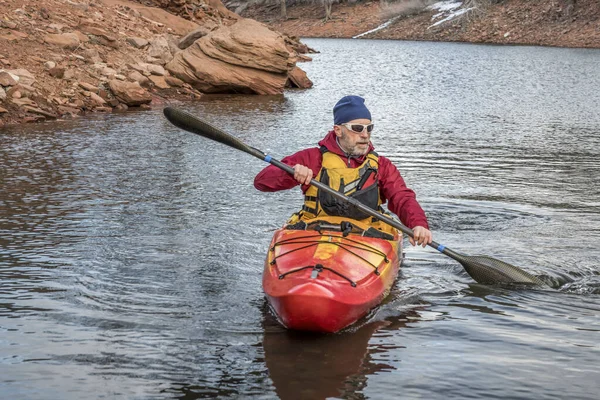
column 489, row 271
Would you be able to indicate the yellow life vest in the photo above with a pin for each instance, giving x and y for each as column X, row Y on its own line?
column 359, row 183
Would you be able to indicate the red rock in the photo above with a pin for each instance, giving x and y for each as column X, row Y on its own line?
column 8, row 79
column 65, row 40
column 130, row 93
column 298, row 79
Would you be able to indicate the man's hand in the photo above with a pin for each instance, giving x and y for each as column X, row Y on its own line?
column 302, row 174
column 422, row 236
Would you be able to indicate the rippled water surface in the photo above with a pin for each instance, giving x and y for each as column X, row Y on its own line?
column 131, row 252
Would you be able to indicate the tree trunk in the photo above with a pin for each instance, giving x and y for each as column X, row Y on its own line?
column 283, row 9
column 327, row 10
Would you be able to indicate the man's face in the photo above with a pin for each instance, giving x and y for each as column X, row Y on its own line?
column 353, row 142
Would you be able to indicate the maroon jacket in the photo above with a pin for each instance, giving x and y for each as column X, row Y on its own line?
column 401, row 200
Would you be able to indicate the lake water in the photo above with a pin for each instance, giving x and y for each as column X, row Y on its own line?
column 131, row 252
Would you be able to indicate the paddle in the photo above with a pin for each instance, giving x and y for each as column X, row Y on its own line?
column 482, row 269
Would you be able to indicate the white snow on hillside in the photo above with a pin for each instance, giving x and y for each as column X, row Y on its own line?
column 447, row 10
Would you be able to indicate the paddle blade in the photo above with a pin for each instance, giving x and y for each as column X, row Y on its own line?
column 190, row 123
column 489, row 271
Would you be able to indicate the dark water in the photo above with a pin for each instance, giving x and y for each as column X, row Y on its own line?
column 131, row 252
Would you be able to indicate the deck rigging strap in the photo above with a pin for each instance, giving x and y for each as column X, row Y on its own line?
column 316, row 270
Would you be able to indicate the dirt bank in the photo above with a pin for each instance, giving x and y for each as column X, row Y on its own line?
column 542, row 22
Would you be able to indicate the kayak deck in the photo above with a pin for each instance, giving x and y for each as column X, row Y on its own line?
column 326, row 280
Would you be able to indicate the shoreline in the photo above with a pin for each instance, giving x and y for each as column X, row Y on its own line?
column 542, row 23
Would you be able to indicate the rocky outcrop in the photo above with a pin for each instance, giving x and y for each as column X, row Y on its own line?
column 246, row 57
column 61, row 59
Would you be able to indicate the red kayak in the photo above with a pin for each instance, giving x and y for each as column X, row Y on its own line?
column 328, row 273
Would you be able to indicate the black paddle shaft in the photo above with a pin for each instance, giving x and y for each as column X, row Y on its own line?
column 482, row 269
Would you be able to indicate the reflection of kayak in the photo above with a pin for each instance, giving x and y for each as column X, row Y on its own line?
column 325, row 274
column 307, row 366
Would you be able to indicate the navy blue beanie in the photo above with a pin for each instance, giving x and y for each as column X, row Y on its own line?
column 350, row 108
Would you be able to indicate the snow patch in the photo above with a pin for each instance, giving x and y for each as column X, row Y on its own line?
column 447, row 10
column 445, row 5
column 380, row 27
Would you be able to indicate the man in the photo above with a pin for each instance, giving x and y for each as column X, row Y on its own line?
column 346, row 161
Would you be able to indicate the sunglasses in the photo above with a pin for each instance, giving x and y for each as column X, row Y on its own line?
column 359, row 128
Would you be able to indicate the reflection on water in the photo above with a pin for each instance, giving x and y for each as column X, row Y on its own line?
column 131, row 252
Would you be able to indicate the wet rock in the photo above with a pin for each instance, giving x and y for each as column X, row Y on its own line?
column 39, row 111
column 137, row 42
column 70, row 111
column 68, row 41
column 121, row 107
column 298, row 79
column 103, row 109
column 130, row 93
column 8, row 79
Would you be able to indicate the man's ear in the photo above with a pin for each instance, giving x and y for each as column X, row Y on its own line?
column 338, row 130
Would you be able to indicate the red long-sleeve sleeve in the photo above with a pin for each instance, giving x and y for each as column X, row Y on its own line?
column 402, row 200
column 272, row 179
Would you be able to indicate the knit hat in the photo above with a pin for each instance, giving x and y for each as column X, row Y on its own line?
column 350, row 108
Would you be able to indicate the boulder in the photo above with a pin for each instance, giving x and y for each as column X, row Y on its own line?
column 64, row 40
column 130, row 93
column 214, row 76
column 297, row 78
column 249, row 43
column 246, row 57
